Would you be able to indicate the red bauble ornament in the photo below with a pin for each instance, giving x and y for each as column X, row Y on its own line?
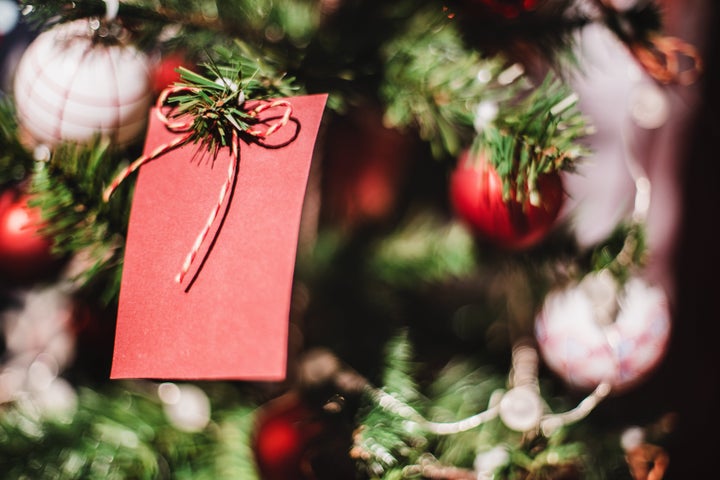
column 25, row 253
column 364, row 168
column 510, row 8
column 165, row 74
column 476, row 194
column 285, row 428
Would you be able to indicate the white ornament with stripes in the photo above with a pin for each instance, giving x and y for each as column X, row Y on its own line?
column 70, row 85
column 593, row 332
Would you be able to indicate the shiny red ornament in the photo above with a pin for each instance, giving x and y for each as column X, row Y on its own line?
column 510, row 8
column 365, row 166
column 476, row 195
column 25, row 253
column 165, row 74
column 285, row 428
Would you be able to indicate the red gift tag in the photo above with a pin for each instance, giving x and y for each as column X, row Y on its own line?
column 229, row 318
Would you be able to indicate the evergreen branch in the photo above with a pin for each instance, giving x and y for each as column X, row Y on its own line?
column 433, row 82
column 68, row 190
column 378, row 450
column 546, row 32
column 538, row 134
column 636, row 24
column 458, row 391
column 398, row 378
column 196, row 24
column 233, row 456
column 192, row 14
column 622, row 253
column 216, row 106
column 395, row 437
column 424, row 251
column 121, row 433
column 116, row 436
column 15, row 161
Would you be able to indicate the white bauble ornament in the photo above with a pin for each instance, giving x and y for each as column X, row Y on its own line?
column 591, row 333
column 71, row 84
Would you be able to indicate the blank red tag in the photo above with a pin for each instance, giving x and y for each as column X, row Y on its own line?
column 229, row 318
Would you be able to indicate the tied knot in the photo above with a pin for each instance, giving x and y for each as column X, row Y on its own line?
column 183, row 126
column 662, row 57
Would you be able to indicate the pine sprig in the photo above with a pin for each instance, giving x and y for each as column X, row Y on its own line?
column 384, row 440
column 15, row 160
column 424, row 251
column 632, row 25
column 546, row 31
column 433, row 82
column 393, row 437
column 399, row 366
column 217, row 105
column 540, row 133
column 121, row 433
column 68, row 190
column 623, row 253
column 233, row 457
column 461, row 390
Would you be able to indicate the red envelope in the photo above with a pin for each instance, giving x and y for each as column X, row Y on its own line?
column 229, row 318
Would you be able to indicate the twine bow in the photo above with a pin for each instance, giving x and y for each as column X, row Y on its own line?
column 661, row 57
column 647, row 462
column 184, row 126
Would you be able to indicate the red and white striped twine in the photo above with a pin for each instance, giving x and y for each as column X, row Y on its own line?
column 661, row 58
column 184, row 126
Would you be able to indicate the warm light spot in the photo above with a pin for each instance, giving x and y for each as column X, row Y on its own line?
column 169, row 393
column 18, row 220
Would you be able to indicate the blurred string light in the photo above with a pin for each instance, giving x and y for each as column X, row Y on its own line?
column 186, row 406
column 520, row 408
column 9, row 15
column 649, row 107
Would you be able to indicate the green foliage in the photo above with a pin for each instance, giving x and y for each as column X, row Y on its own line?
column 434, row 83
column 623, row 253
column 398, row 376
column 233, row 456
column 386, row 438
column 425, row 250
column 394, row 435
column 15, row 161
column 537, row 134
column 121, row 433
column 68, row 190
column 217, row 105
column 635, row 24
column 431, row 71
column 458, row 391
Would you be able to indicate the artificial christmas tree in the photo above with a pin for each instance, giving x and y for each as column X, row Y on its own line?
column 304, row 265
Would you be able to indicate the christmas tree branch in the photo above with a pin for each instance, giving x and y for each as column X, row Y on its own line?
column 538, row 134
column 68, row 190
column 15, row 161
column 409, row 443
column 433, row 82
column 122, row 435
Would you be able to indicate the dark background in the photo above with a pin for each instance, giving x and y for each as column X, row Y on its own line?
column 693, row 363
